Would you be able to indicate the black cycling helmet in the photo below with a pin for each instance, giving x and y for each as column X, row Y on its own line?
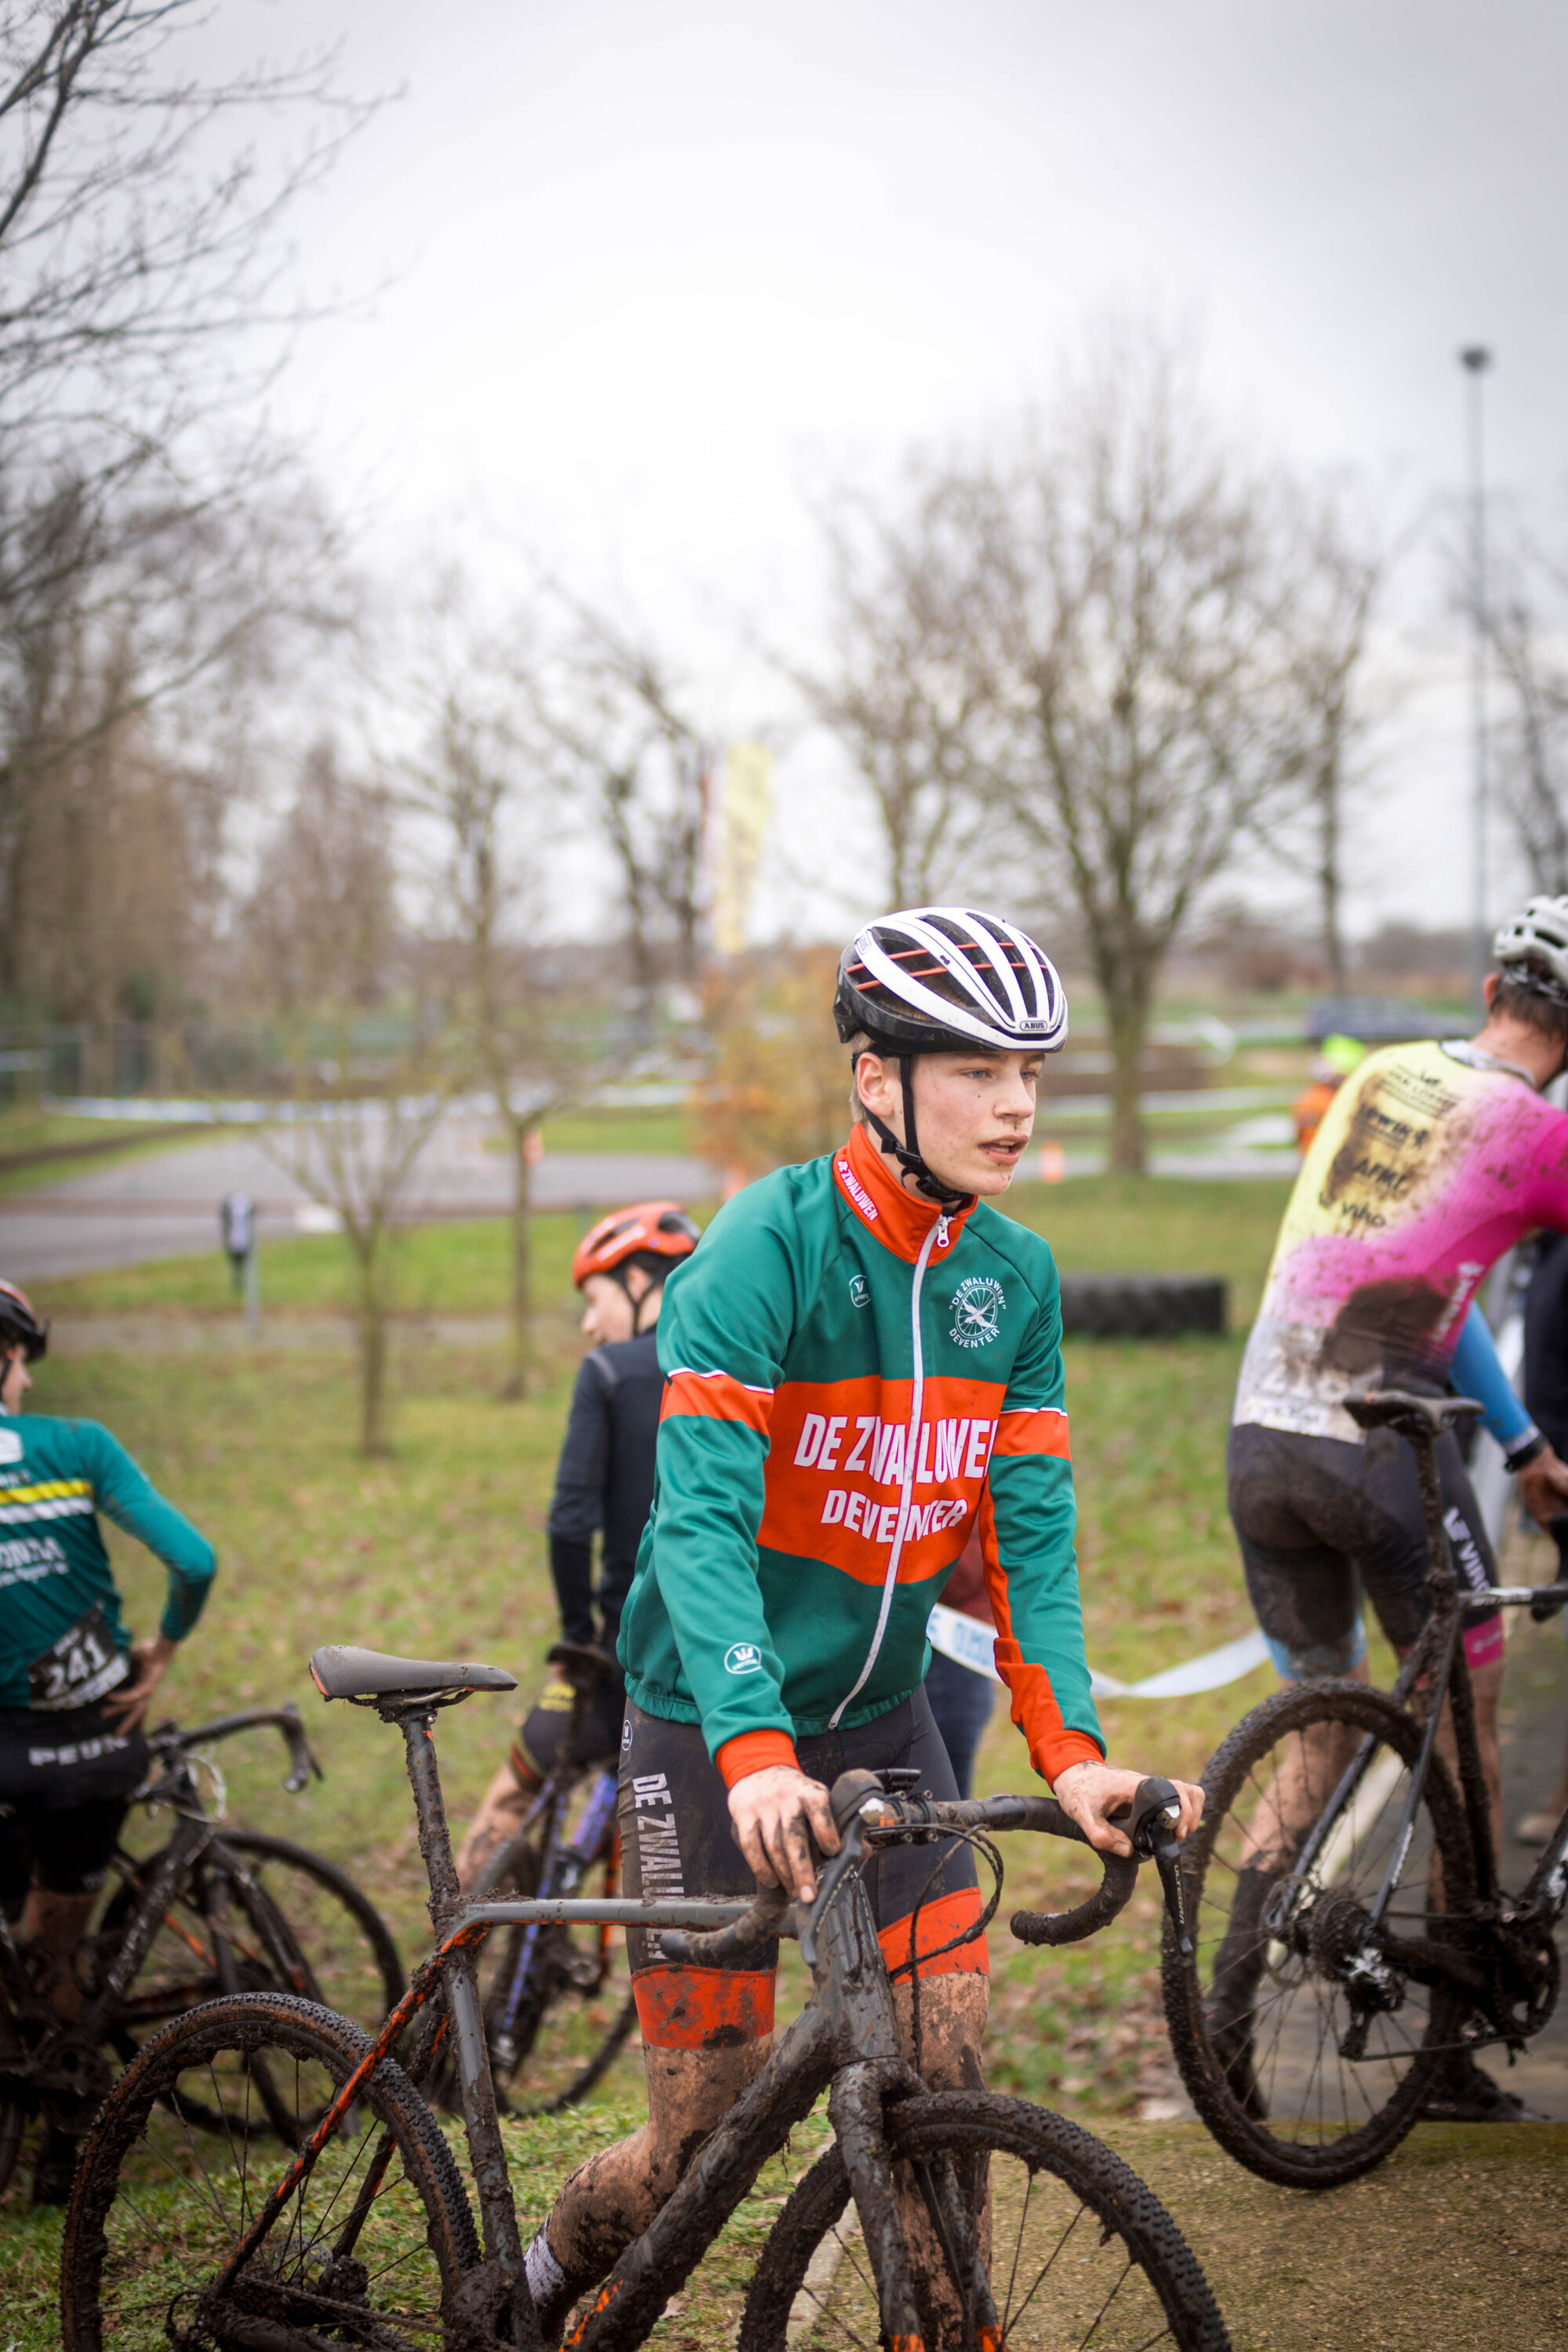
column 20, row 1326
column 945, row 980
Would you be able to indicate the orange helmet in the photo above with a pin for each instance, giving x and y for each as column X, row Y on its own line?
column 20, row 1326
column 658, row 1230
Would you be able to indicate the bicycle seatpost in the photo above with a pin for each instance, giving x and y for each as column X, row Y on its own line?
column 1421, row 1420
column 417, row 1722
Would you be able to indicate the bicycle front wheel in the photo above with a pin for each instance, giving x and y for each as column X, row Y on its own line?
column 1307, row 2065
column 1079, row 2251
column 363, row 2251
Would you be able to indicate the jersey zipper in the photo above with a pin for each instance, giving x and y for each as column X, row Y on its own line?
column 935, row 1239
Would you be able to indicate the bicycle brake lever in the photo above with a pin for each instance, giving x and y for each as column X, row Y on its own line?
column 301, row 1760
column 1148, row 1822
column 829, row 1883
column 1168, row 1863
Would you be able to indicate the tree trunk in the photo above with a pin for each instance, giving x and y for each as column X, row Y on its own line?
column 1127, row 1017
column 521, row 1372
column 370, row 1301
column 1329, row 884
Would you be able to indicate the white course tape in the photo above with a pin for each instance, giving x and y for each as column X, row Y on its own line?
column 973, row 1645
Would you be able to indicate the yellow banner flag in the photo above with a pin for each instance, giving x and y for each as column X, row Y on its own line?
column 746, row 800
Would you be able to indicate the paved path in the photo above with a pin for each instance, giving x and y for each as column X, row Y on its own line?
column 167, row 1205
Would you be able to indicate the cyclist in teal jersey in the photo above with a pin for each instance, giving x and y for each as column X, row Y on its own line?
column 74, row 1688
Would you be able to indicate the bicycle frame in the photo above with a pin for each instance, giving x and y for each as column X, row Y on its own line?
column 1437, row 1664
column 66, row 2059
column 845, row 2038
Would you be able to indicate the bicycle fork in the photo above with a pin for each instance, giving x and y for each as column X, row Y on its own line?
column 856, row 1994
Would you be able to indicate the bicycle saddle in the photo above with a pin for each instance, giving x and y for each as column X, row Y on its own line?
column 1403, row 1408
column 341, row 1672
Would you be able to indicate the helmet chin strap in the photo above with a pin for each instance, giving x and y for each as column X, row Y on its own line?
column 907, row 1152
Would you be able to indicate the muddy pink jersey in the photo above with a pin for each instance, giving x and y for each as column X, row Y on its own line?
column 1431, row 1162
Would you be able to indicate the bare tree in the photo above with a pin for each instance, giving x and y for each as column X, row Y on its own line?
column 908, row 675
column 147, row 537
column 138, row 231
column 1532, row 741
column 1122, row 565
column 1336, row 570
column 359, row 1124
column 483, row 773
column 371, row 1076
column 642, row 767
column 319, row 930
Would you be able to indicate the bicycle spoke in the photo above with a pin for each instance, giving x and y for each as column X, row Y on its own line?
column 1049, row 2264
column 1017, row 2253
column 1105, row 2307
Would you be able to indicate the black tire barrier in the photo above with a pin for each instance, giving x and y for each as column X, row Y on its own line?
column 1142, row 1306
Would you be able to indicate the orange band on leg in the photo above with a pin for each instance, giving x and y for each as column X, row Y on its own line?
column 704, row 2009
column 940, row 1921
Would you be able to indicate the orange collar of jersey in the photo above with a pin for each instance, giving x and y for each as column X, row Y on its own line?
column 900, row 1218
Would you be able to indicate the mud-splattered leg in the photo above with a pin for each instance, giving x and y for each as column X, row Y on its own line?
column 612, row 2198
column 951, row 2030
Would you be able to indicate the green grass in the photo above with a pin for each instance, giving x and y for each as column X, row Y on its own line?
column 666, row 1129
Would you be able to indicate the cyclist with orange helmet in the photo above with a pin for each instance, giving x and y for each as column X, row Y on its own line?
column 604, row 1484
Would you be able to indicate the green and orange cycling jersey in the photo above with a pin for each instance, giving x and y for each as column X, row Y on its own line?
column 854, row 1379
column 62, row 1642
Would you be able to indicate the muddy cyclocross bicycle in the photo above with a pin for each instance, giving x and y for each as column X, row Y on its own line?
column 215, row 1910
column 978, row 2221
column 1347, row 1923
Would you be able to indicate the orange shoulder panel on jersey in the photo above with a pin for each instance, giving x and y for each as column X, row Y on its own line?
column 717, row 1396
column 1034, row 1429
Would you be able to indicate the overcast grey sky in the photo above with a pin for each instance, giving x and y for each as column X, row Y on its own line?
column 659, row 264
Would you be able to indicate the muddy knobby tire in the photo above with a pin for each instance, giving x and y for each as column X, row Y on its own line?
column 1256, row 2029
column 136, row 2253
column 1128, row 2280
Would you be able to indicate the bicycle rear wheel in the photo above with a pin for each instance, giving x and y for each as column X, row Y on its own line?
column 1081, row 2253
column 364, row 2248
column 297, row 1923
column 1304, row 2070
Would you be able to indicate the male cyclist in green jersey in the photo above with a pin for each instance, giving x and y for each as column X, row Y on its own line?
column 862, row 1361
column 74, row 1689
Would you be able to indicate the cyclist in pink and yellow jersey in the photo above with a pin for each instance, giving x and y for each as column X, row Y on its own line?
column 1432, row 1160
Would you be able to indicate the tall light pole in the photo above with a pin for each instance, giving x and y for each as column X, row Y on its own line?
column 1475, row 359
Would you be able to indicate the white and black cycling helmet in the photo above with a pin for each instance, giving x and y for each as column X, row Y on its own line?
column 1531, row 949
column 941, row 979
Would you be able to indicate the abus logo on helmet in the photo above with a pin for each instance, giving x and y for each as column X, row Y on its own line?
column 742, row 1658
column 977, row 1304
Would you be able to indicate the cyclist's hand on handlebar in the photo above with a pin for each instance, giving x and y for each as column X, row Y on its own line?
column 1091, row 1793
column 127, row 1706
column 1543, row 1485
column 772, row 1812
